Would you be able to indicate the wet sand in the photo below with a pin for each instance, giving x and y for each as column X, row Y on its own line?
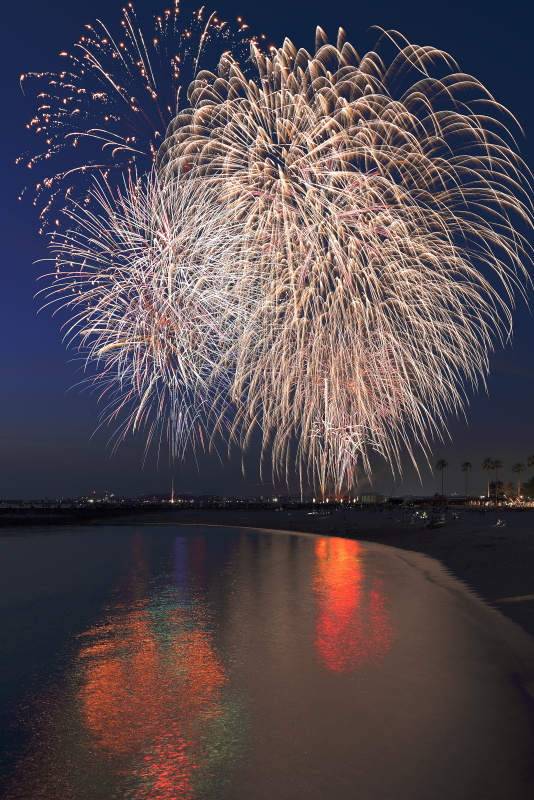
column 496, row 562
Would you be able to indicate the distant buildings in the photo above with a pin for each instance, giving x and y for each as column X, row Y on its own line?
column 370, row 497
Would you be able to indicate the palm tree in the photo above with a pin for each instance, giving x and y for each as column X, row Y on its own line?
column 487, row 466
column 441, row 466
column 518, row 469
column 496, row 465
column 530, row 461
column 466, row 467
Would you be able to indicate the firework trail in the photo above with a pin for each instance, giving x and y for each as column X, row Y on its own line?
column 152, row 280
column 386, row 198
column 107, row 111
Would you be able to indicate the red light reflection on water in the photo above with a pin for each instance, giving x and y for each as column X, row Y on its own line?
column 353, row 627
column 145, row 699
column 144, row 709
column 152, row 688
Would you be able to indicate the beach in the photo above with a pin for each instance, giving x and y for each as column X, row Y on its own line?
column 495, row 560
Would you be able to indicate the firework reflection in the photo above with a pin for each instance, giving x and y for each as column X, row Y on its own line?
column 148, row 713
column 353, row 628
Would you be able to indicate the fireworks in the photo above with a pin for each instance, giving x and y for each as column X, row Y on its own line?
column 107, row 110
column 383, row 198
column 326, row 253
column 152, row 281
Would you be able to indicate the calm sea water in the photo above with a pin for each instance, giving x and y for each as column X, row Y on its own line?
column 191, row 663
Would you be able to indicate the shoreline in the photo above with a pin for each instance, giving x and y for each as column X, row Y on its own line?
column 496, row 562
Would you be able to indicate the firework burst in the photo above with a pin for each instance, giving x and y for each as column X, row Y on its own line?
column 106, row 112
column 384, row 196
column 152, row 280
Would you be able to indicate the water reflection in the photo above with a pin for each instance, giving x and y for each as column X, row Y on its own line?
column 233, row 665
column 353, row 627
column 149, row 711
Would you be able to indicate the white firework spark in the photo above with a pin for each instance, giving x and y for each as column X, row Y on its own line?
column 152, row 279
column 385, row 200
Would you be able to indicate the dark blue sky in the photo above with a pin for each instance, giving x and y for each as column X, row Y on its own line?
column 46, row 428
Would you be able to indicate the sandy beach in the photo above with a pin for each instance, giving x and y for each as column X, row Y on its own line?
column 494, row 560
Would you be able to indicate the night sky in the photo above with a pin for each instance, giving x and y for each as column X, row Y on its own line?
column 49, row 446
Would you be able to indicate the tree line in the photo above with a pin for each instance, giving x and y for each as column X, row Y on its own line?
column 496, row 488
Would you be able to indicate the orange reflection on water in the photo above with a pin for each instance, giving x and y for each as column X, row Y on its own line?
column 152, row 687
column 353, row 628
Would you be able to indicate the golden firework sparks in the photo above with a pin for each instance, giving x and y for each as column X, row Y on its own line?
column 384, row 197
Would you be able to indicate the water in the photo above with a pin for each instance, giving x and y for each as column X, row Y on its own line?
column 191, row 663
